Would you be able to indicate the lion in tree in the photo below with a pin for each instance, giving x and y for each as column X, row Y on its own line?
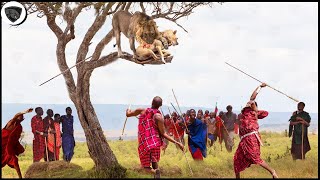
column 146, row 50
column 138, row 26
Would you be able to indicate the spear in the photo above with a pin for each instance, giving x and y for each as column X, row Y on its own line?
column 125, row 121
column 180, row 141
column 64, row 71
column 179, row 108
column 262, row 82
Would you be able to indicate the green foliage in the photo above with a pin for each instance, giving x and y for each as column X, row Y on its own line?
column 218, row 164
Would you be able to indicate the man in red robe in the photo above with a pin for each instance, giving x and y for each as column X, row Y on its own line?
column 248, row 151
column 151, row 130
column 11, row 146
column 39, row 134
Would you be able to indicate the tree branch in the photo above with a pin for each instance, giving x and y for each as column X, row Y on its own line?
column 50, row 20
column 128, row 6
column 97, row 24
column 112, row 57
column 100, row 46
column 143, row 9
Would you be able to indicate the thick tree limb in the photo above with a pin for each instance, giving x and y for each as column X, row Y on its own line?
column 101, row 45
column 50, row 20
column 112, row 57
column 96, row 25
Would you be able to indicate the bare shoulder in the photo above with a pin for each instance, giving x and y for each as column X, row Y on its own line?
column 158, row 117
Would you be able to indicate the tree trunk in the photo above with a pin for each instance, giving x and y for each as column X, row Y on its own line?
column 99, row 149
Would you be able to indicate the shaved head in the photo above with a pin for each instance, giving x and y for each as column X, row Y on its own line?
column 156, row 102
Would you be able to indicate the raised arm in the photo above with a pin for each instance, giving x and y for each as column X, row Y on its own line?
column 160, row 122
column 256, row 91
column 135, row 112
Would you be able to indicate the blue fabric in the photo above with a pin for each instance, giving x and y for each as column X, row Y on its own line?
column 68, row 142
column 211, row 136
column 197, row 139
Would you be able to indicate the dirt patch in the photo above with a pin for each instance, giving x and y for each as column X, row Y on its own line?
column 51, row 169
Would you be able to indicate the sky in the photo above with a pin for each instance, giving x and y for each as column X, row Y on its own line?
column 276, row 43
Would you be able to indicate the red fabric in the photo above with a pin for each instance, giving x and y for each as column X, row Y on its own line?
column 179, row 129
column 38, row 140
column 167, row 125
column 236, row 128
column 11, row 146
column 148, row 132
column 248, row 151
column 219, row 128
column 216, row 109
column 152, row 155
column 51, row 136
column 197, row 155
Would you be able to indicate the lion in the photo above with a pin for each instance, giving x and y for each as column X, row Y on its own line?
column 138, row 26
column 146, row 50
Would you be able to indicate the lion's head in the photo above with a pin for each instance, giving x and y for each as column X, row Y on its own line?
column 171, row 36
column 149, row 31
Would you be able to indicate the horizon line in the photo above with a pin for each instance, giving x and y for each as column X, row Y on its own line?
column 127, row 104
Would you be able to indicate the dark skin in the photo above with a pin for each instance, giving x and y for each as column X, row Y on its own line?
column 39, row 114
column 156, row 103
column 255, row 108
column 17, row 119
column 299, row 119
column 212, row 115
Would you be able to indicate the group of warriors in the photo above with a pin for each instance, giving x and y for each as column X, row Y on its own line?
column 156, row 130
column 47, row 137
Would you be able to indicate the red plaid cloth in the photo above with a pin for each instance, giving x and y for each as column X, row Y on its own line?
column 152, row 155
column 248, row 151
column 38, row 140
column 148, row 132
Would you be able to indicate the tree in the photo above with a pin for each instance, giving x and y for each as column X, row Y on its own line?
column 79, row 93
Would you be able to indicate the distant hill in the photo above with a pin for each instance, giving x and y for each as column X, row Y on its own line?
column 112, row 117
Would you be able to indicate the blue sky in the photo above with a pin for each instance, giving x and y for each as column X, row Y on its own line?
column 274, row 42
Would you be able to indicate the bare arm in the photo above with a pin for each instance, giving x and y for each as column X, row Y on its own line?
column 135, row 112
column 160, row 122
column 302, row 121
column 256, row 91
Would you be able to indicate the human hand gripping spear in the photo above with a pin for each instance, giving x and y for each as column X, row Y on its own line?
column 125, row 121
column 262, row 82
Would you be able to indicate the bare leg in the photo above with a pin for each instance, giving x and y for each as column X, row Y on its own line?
column 237, row 175
column 156, row 168
column 271, row 171
column 18, row 170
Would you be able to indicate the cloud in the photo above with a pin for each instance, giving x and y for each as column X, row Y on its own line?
column 274, row 42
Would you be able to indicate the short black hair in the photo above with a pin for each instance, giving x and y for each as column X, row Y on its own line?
column 49, row 111
column 192, row 110
column 37, row 108
column 229, row 106
column 56, row 115
column 302, row 104
column 68, row 108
